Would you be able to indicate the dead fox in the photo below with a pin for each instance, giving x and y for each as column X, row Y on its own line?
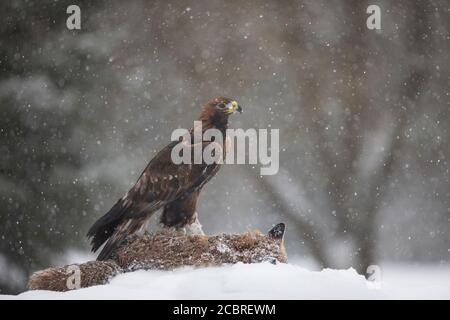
column 166, row 250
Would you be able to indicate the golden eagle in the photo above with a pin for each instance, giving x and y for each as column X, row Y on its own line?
column 163, row 184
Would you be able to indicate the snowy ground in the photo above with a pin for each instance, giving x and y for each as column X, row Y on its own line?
column 264, row 281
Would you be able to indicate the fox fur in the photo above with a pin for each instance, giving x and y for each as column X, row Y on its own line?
column 167, row 250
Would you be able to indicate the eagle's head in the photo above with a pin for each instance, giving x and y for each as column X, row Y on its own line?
column 217, row 110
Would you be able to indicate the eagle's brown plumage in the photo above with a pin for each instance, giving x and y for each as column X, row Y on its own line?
column 162, row 184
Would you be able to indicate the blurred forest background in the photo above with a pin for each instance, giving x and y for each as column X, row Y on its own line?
column 363, row 116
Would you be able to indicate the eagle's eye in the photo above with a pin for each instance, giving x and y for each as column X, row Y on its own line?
column 221, row 105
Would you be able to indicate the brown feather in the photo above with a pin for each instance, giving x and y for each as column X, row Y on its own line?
column 161, row 184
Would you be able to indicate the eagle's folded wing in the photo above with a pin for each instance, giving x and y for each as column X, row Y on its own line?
column 161, row 182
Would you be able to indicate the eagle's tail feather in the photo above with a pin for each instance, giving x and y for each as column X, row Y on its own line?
column 110, row 247
column 104, row 227
column 117, row 224
column 122, row 231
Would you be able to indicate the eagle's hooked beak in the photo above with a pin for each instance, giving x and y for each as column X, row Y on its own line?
column 234, row 107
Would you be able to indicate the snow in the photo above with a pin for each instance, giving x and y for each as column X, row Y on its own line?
column 263, row 281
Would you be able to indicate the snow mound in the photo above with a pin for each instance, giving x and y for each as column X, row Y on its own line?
column 241, row 281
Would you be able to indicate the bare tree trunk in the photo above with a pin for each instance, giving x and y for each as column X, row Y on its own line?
column 311, row 236
column 409, row 90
